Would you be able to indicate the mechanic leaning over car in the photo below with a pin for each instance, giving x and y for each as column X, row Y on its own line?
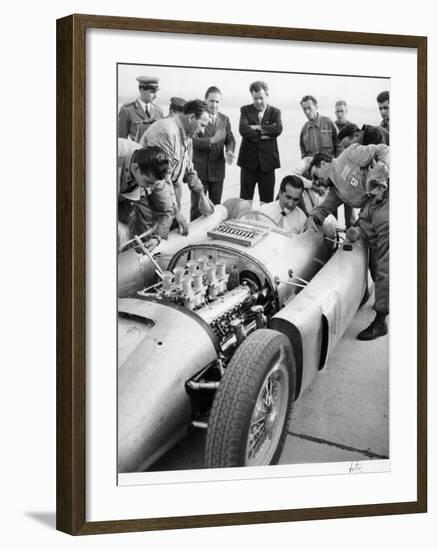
column 146, row 200
column 359, row 177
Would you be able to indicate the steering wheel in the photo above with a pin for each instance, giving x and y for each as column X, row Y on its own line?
column 257, row 215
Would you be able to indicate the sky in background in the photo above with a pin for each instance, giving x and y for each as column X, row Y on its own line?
column 286, row 91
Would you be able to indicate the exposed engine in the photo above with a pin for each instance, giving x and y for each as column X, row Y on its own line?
column 225, row 290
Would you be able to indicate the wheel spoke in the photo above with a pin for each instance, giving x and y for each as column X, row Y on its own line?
column 268, row 415
column 254, row 439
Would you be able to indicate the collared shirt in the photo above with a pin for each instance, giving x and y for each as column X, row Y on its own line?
column 133, row 120
column 169, row 134
column 261, row 114
column 319, row 136
column 146, row 106
column 293, row 222
column 385, row 123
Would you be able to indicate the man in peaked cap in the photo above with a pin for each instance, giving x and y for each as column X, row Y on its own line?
column 136, row 117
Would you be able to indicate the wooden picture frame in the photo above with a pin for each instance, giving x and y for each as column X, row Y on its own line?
column 71, row 272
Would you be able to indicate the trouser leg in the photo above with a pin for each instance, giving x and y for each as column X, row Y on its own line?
column 194, row 208
column 375, row 225
column 214, row 191
column 266, row 182
column 350, row 217
column 248, row 180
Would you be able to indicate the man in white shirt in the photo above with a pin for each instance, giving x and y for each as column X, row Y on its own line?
column 286, row 212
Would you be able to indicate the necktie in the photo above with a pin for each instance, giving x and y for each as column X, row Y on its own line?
column 260, row 113
column 147, row 109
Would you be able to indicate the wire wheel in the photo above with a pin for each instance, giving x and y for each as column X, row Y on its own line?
column 269, row 415
column 251, row 410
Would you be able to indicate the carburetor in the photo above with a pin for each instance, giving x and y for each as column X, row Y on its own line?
column 199, row 283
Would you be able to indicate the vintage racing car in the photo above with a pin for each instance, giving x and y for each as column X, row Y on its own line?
column 222, row 330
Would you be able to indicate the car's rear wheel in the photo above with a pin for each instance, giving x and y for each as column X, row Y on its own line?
column 251, row 410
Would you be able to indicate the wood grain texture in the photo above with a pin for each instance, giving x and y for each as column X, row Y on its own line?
column 71, row 233
column 71, row 271
column 422, row 275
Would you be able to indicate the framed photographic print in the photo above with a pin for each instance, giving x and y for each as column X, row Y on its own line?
column 226, row 350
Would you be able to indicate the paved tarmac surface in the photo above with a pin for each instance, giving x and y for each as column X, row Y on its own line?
column 342, row 416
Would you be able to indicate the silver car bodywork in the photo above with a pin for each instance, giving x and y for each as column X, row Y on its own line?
column 167, row 343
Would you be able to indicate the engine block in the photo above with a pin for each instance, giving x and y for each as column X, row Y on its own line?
column 205, row 288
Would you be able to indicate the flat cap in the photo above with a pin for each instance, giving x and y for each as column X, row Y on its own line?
column 177, row 102
column 151, row 81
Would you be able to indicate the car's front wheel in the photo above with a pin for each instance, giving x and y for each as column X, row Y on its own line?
column 251, row 410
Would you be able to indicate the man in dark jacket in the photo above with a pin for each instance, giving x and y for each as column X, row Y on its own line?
column 209, row 147
column 136, row 117
column 260, row 125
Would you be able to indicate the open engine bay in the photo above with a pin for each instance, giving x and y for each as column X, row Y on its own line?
column 226, row 288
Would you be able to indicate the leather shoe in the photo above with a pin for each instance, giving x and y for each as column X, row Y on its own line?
column 377, row 328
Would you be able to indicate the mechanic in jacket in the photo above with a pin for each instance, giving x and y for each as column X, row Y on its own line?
column 359, row 177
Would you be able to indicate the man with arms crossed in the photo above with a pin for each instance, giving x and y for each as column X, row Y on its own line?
column 259, row 125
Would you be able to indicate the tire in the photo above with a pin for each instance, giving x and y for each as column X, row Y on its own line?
column 251, row 410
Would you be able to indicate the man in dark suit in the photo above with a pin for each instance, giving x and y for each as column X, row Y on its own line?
column 136, row 117
column 209, row 148
column 260, row 125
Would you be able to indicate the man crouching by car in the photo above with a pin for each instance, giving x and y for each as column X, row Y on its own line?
column 359, row 177
column 145, row 199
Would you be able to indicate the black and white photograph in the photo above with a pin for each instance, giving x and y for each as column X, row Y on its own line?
column 252, row 269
